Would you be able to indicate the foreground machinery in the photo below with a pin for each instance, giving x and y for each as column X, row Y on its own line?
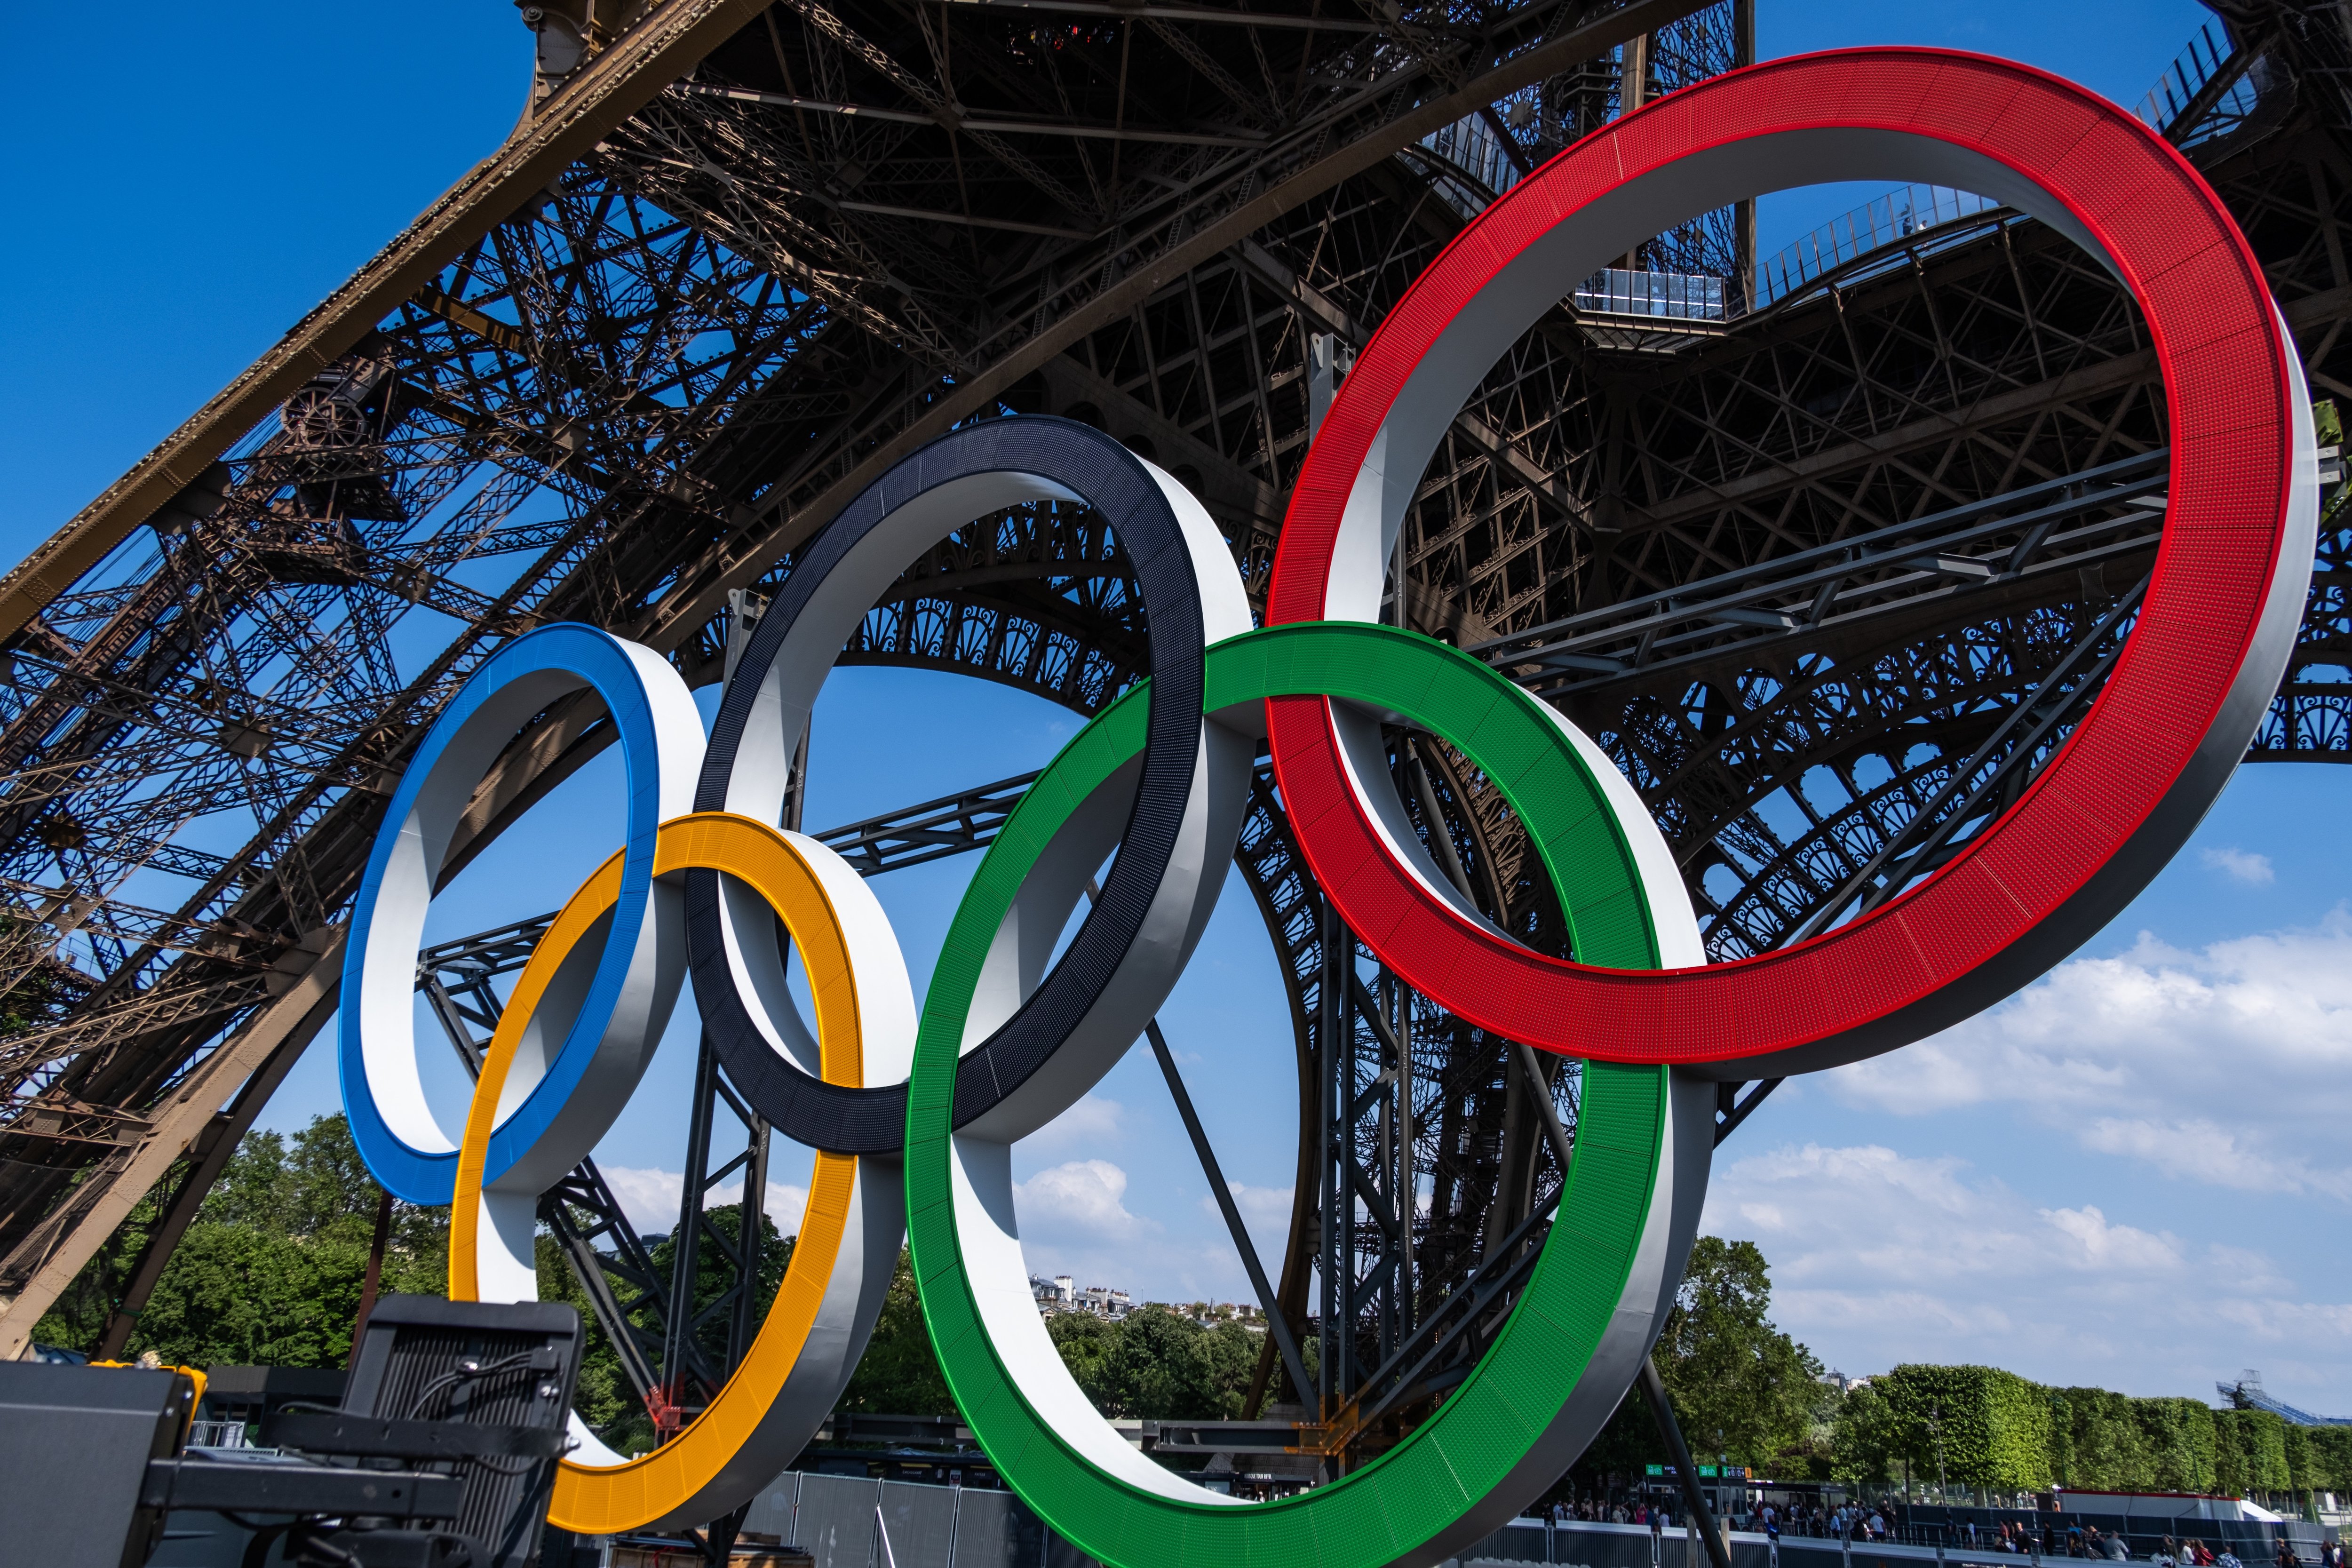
column 737, row 261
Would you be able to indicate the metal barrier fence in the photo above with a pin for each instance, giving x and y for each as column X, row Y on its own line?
column 1577, row 1544
column 1682, row 296
column 1898, row 215
column 842, row 1520
column 2208, row 58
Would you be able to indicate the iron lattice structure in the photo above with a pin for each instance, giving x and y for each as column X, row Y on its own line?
column 1829, row 554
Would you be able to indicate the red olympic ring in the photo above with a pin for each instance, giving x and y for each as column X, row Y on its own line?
column 2121, row 795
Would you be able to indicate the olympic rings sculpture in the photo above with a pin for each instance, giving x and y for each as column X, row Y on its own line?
column 914, row 1115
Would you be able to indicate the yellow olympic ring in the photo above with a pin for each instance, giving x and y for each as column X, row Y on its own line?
column 666, row 1484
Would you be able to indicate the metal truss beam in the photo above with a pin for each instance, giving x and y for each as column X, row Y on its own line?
column 617, row 83
column 1185, row 234
column 538, row 425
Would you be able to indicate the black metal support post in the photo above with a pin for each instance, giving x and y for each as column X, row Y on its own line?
column 1274, row 1325
column 1654, row 1391
column 1539, row 1090
column 1336, row 1044
column 1736, row 1110
column 679, row 1350
column 627, row 1338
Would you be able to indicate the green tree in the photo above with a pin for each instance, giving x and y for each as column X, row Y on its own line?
column 604, row 1397
column 2250, row 1452
column 1977, row 1426
column 2176, row 1435
column 271, row 1269
column 899, row 1375
column 2326, row 1460
column 1742, row 1388
column 1866, row 1438
column 1159, row 1366
column 2298, row 1446
column 1086, row 1342
column 1232, row 1361
column 2103, row 1445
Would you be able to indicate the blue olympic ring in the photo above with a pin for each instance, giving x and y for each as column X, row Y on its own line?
column 661, row 743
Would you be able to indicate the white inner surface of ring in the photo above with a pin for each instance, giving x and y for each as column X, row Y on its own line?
column 506, row 1258
column 1025, row 942
column 387, row 1001
column 788, row 692
column 1513, row 301
column 988, row 1227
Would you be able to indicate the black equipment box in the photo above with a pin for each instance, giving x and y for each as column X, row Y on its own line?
column 75, row 1445
column 443, row 1450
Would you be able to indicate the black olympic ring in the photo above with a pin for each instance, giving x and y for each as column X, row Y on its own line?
column 1075, row 461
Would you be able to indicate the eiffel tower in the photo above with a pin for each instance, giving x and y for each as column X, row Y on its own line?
column 740, row 257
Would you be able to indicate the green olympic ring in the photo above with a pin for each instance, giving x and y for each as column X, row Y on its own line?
column 1524, row 1407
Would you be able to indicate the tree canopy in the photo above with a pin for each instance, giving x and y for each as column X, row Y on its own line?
column 1742, row 1390
column 900, row 1374
column 1972, row 1425
column 271, row 1273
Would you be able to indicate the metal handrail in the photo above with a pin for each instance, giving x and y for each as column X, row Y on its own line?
column 1900, row 215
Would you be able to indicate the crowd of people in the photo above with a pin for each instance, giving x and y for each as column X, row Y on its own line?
column 1797, row 1519
column 1876, row 1524
column 1595, row 1511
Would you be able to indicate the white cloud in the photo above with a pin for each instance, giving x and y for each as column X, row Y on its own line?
column 650, row 1198
column 1086, row 1197
column 1262, row 1207
column 1074, row 1220
column 2242, row 865
column 1893, row 1259
column 2205, row 1150
column 2091, row 1243
column 1094, row 1119
column 2110, row 1052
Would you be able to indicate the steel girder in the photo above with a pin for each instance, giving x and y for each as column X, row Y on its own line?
column 529, row 434
column 555, row 396
column 852, row 228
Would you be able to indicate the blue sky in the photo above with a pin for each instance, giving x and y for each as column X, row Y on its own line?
column 2133, row 1174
